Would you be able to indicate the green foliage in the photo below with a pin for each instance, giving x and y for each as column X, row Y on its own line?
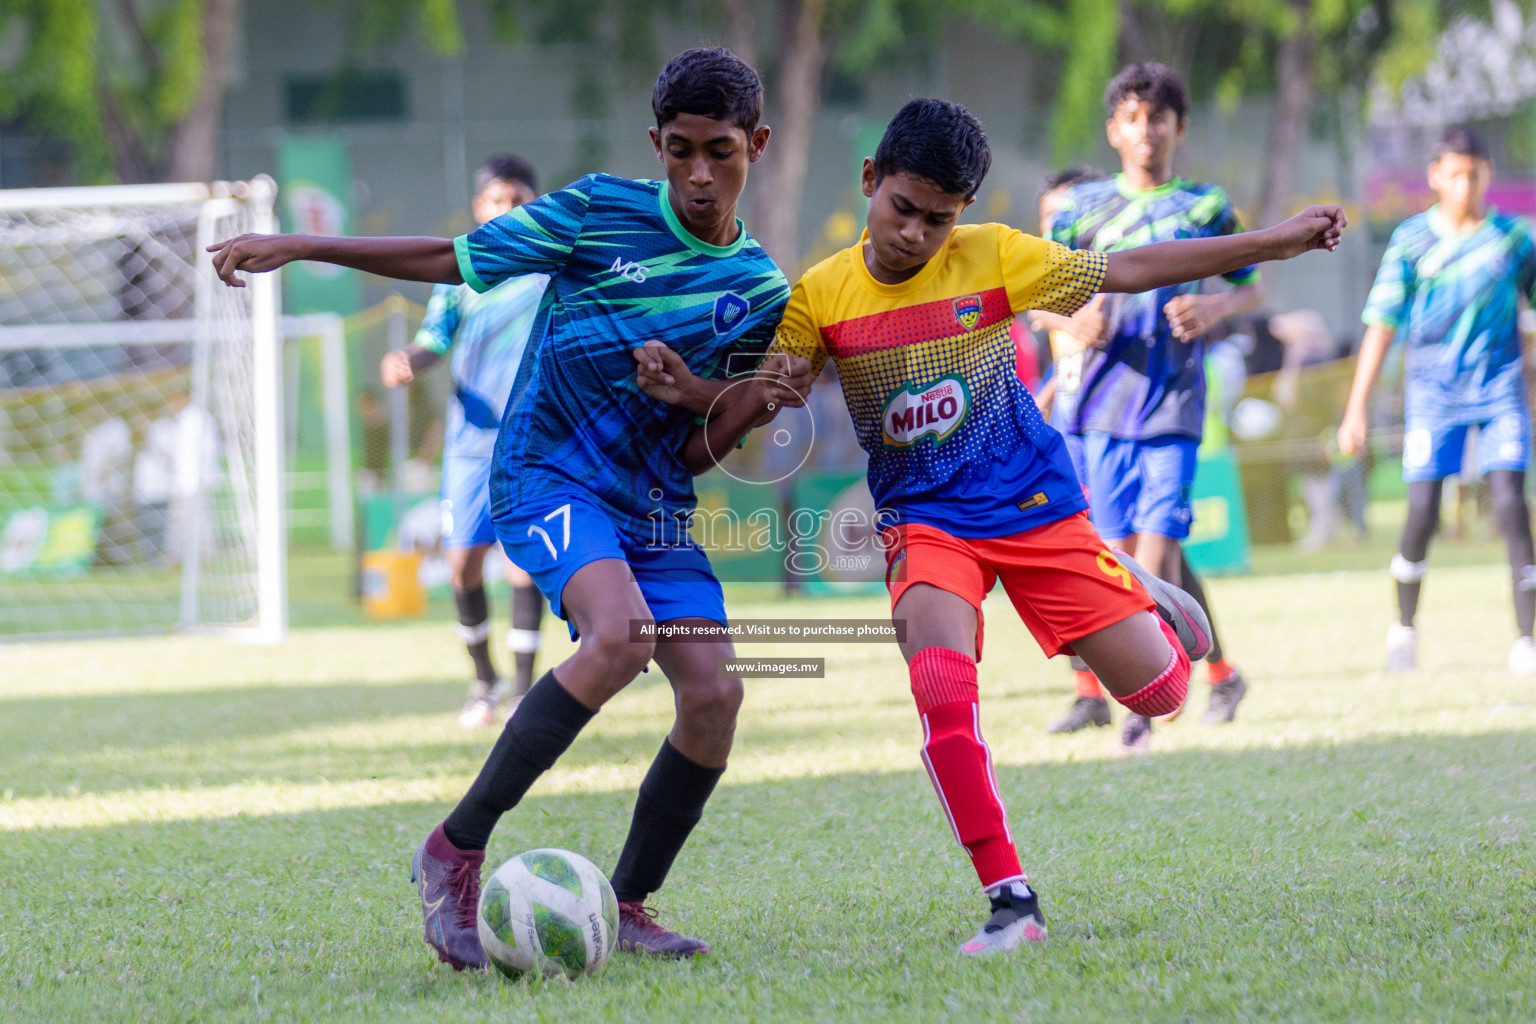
column 1415, row 27
column 1076, row 121
column 116, row 77
column 178, row 28
column 1353, row 40
column 53, row 80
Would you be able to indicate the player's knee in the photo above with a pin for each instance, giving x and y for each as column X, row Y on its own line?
column 617, row 654
column 466, row 572
column 714, row 700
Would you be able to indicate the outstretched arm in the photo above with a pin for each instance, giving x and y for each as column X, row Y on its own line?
column 403, row 258
column 1373, row 352
column 1167, row 263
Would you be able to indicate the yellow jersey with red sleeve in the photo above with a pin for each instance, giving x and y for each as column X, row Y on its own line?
column 927, row 368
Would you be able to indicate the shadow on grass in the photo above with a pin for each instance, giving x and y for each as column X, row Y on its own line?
column 1368, row 880
column 137, row 720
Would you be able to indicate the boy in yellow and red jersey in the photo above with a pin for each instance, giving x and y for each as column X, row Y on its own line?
column 972, row 486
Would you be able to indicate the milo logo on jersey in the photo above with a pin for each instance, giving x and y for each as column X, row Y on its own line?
column 935, row 411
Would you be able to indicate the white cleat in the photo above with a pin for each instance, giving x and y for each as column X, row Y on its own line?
column 480, row 710
column 1522, row 657
column 1403, row 648
column 1015, row 920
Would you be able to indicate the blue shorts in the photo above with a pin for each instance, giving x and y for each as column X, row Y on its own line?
column 554, row 535
column 466, row 502
column 1079, row 456
column 1434, row 453
column 1140, row 486
column 1074, row 446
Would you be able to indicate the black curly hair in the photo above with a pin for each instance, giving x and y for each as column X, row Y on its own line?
column 710, row 82
column 937, row 141
column 1153, row 83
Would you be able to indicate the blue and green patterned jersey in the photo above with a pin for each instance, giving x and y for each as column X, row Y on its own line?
column 1143, row 383
column 623, row 271
column 487, row 334
column 1454, row 300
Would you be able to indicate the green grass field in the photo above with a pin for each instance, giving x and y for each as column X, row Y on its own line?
column 192, row 830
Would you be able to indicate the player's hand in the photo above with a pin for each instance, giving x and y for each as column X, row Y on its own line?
column 395, row 369
column 255, row 254
column 1089, row 324
column 1316, row 227
column 1192, row 317
column 787, row 379
column 1352, row 431
column 662, row 373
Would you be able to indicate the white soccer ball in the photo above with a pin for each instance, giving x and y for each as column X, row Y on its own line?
column 549, row 911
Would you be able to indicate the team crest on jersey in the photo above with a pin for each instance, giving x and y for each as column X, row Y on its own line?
column 933, row 411
column 968, row 311
column 730, row 310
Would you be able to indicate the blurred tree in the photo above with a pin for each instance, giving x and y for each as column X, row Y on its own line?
column 137, row 86
column 1300, row 51
column 799, row 46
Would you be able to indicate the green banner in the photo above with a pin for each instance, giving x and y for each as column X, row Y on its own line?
column 48, row 540
column 1218, row 540
column 316, row 194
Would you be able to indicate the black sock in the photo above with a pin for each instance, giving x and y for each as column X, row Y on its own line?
column 1513, row 517
column 1407, row 602
column 545, row 723
column 524, row 642
column 1418, row 530
column 671, row 802
column 1196, row 589
column 474, row 628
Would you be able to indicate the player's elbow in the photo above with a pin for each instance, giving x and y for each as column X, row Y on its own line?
column 696, row 456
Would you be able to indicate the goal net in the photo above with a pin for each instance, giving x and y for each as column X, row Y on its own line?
column 141, row 448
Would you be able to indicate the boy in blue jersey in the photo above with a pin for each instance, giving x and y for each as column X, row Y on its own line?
column 1070, row 338
column 1141, row 406
column 586, row 464
column 487, row 335
column 1451, row 284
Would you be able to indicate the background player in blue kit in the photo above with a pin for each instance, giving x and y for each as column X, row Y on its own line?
column 1070, row 338
column 1141, row 405
column 487, row 335
column 587, row 465
column 1451, row 283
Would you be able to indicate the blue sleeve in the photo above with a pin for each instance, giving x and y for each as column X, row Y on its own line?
column 441, row 322
column 1387, row 304
column 536, row 238
column 1527, row 264
column 1063, row 225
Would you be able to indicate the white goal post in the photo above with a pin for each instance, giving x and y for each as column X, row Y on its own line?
column 141, row 415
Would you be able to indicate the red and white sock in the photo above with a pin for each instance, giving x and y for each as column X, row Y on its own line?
column 960, row 763
column 1164, row 694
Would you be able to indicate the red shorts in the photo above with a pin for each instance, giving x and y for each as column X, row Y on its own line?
column 1062, row 579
